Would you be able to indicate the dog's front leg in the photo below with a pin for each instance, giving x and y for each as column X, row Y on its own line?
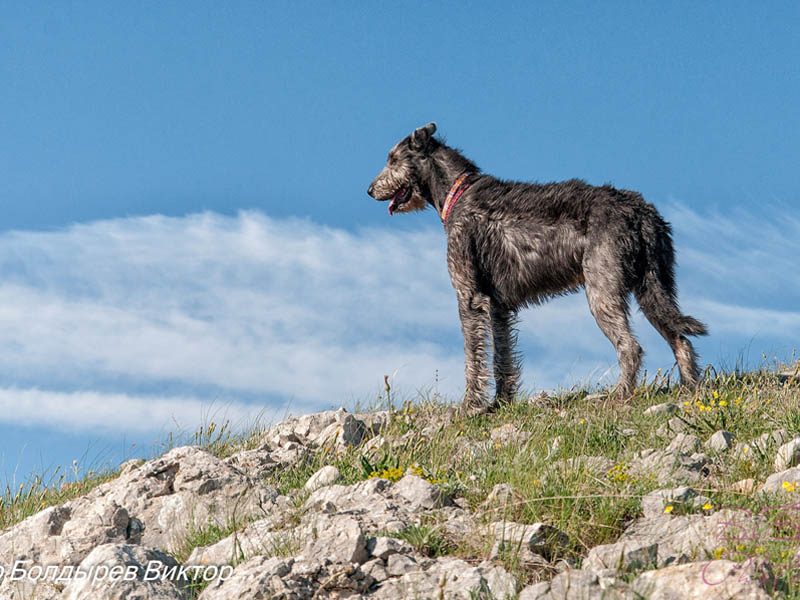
column 473, row 309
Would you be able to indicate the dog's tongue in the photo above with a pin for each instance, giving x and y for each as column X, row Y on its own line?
column 393, row 204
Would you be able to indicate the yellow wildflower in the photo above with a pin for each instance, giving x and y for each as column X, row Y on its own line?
column 723, row 403
column 707, row 506
column 669, row 508
column 789, row 487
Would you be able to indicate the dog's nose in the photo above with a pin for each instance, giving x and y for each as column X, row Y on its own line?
column 369, row 189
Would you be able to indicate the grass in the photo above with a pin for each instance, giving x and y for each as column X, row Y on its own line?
column 466, row 458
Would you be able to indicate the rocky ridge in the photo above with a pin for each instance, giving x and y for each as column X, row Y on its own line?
column 331, row 539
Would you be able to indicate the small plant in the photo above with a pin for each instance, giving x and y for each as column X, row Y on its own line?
column 426, row 539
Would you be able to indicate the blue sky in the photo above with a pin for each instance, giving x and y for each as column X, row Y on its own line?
column 185, row 232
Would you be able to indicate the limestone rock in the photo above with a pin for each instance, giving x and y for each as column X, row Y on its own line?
column 622, row 556
column 338, row 538
column 449, row 578
column 419, row 494
column 665, row 408
column 707, row 580
column 119, row 555
column 785, row 481
column 383, row 547
column 249, row 579
column 684, row 444
column 720, row 441
column 325, row 476
column 578, row 584
column 788, row 455
column 530, row 541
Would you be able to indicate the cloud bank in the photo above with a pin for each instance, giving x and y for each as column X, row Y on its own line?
column 133, row 322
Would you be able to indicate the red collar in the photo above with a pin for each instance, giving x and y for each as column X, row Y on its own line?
column 459, row 186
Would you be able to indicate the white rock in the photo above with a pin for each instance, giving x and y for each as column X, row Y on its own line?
column 533, row 540
column 138, row 557
column 419, row 494
column 383, row 547
column 666, row 408
column 398, row 565
column 785, row 481
column 714, row 580
column 654, row 503
column 449, row 578
column 621, row 556
column 684, row 444
column 721, row 441
column 325, row 476
column 788, row 455
column 248, row 580
column 339, row 538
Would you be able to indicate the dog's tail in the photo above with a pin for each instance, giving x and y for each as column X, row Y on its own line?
column 656, row 293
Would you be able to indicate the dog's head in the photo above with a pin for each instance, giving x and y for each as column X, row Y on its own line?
column 402, row 180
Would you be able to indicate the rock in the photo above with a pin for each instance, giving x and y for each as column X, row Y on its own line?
column 721, row 441
column 383, row 547
column 319, row 429
column 376, row 569
column 707, row 580
column 372, row 501
column 786, row 481
column 671, row 427
column 337, row 538
column 684, row 444
column 655, row 503
column 578, row 584
column 537, row 591
column 449, row 578
column 744, row 486
column 509, row 434
column 419, row 494
column 665, row 408
column 260, row 463
column 249, row 579
column 66, row 534
column 130, row 465
column 528, row 542
column 119, row 555
column 683, row 537
column 398, row 565
column 668, row 467
column 258, row 537
column 325, row 476
column 772, row 439
column 788, row 455
column 622, row 556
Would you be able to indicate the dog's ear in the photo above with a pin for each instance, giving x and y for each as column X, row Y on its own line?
column 422, row 136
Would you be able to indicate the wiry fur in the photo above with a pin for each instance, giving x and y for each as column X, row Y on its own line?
column 511, row 244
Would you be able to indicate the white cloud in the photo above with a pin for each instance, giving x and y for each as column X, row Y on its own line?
column 287, row 310
column 101, row 412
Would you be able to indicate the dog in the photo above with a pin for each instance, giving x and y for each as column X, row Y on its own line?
column 512, row 245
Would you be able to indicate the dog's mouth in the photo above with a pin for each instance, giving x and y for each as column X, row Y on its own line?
column 400, row 197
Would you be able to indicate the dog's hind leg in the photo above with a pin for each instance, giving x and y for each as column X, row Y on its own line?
column 506, row 361
column 660, row 308
column 609, row 305
column 657, row 298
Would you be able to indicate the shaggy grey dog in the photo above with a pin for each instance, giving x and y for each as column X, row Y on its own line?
column 510, row 245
